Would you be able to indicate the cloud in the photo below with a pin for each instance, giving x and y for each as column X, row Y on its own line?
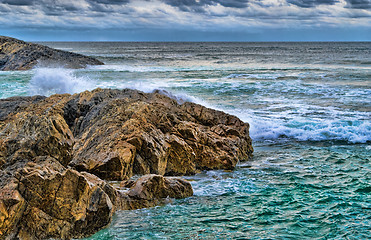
column 311, row 3
column 232, row 3
column 110, row 2
column 183, row 15
column 197, row 5
column 19, row 2
column 359, row 4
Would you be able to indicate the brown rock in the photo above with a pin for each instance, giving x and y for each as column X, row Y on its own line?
column 141, row 133
column 19, row 55
column 55, row 151
column 50, row 201
column 117, row 133
column 12, row 206
column 151, row 190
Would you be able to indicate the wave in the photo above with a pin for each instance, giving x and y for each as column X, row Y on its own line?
column 351, row 131
column 127, row 68
column 266, row 126
column 143, row 69
column 48, row 81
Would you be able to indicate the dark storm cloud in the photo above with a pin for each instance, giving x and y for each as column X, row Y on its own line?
column 197, row 6
column 359, row 4
column 110, row 2
column 18, row 2
column 233, row 3
column 54, row 8
column 311, row 3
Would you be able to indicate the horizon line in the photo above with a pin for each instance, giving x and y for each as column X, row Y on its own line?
column 149, row 41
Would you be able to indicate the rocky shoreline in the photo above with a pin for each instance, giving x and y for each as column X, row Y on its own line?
column 58, row 156
column 19, row 55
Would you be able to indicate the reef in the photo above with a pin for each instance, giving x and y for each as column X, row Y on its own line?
column 19, row 55
column 67, row 161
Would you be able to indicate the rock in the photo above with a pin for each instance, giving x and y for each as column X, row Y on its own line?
column 46, row 200
column 140, row 133
column 57, row 154
column 19, row 55
column 12, row 206
column 114, row 134
column 151, row 190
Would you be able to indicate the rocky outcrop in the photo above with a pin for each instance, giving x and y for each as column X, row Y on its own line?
column 57, row 155
column 19, row 55
column 46, row 200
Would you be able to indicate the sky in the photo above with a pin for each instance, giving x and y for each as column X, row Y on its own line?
column 186, row 20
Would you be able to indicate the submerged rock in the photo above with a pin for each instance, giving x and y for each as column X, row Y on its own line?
column 19, row 55
column 57, row 153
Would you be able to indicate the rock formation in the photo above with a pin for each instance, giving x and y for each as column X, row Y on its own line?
column 57, row 155
column 19, row 55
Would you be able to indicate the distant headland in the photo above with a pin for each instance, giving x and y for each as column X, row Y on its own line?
column 19, row 55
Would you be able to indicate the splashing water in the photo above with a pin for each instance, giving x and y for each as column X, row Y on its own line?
column 48, row 81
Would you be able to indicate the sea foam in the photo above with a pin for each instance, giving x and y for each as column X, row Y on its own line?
column 352, row 131
column 48, row 81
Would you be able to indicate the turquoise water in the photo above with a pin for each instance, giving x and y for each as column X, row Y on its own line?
column 309, row 107
column 289, row 191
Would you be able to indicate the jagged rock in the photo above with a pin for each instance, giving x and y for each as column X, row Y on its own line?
column 150, row 190
column 46, row 200
column 19, row 55
column 56, row 154
column 117, row 133
column 137, row 133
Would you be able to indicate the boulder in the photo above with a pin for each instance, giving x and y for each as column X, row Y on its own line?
column 19, row 55
column 151, row 190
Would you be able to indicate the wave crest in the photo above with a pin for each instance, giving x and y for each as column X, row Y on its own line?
column 352, row 131
column 48, row 81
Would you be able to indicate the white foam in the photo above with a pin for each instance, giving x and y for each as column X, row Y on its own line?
column 149, row 68
column 304, row 129
column 48, row 81
column 301, row 121
column 128, row 68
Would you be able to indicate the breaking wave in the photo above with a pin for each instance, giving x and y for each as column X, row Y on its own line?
column 351, row 131
column 48, row 81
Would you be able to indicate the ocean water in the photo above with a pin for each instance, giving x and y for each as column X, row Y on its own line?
column 309, row 107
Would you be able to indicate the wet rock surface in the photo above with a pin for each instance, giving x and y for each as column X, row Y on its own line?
column 58, row 154
column 19, row 55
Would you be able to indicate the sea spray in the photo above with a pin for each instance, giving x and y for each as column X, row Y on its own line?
column 48, row 81
column 304, row 129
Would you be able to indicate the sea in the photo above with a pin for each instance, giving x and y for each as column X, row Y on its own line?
column 309, row 109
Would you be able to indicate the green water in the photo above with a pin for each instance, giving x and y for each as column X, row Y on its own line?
column 288, row 191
